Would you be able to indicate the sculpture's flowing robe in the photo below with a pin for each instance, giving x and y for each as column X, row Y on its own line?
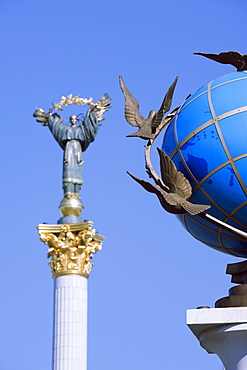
column 74, row 141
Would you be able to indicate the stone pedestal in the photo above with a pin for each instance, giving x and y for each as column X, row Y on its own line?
column 222, row 331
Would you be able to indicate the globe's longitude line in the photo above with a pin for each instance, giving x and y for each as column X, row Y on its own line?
column 237, row 208
column 223, row 143
column 235, row 211
column 178, row 149
column 220, row 240
column 184, row 222
column 175, row 134
column 223, row 140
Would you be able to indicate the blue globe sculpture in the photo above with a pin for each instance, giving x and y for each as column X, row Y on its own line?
column 207, row 140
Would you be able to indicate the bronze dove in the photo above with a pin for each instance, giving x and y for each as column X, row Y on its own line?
column 173, row 189
column 229, row 57
column 148, row 126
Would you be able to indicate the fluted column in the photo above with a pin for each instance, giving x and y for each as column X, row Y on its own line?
column 70, row 323
column 71, row 248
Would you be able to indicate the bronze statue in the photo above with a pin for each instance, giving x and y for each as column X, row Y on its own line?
column 73, row 140
column 147, row 127
column 172, row 189
column 229, row 57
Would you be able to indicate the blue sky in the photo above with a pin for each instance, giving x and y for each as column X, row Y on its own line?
column 150, row 270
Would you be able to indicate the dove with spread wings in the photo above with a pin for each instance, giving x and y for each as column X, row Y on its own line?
column 228, row 57
column 172, row 189
column 147, row 126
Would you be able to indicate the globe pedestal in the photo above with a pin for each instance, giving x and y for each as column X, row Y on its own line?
column 222, row 331
column 237, row 294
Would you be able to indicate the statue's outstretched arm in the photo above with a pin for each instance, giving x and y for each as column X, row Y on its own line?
column 41, row 116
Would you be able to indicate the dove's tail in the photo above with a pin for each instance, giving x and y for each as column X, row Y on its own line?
column 194, row 209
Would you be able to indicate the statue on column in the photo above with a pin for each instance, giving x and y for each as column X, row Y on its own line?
column 74, row 140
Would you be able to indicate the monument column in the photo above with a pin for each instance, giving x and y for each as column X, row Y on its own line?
column 71, row 242
column 71, row 248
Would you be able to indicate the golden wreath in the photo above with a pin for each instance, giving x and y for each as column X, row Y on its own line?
column 101, row 106
column 77, row 100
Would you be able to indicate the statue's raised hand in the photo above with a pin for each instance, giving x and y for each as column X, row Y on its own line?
column 41, row 116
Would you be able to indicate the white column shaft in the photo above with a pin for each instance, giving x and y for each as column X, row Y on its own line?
column 70, row 323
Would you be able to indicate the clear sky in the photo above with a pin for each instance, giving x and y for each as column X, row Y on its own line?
column 150, row 270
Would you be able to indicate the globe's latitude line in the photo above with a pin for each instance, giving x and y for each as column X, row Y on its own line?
column 220, row 230
column 219, row 235
column 216, row 170
column 188, row 137
column 230, row 160
column 238, row 110
column 208, row 197
column 212, row 88
column 211, row 200
column 203, row 126
column 192, row 176
column 203, row 241
column 178, row 151
column 198, row 186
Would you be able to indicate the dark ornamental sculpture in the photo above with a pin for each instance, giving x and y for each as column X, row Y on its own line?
column 147, row 127
column 228, row 57
column 172, row 189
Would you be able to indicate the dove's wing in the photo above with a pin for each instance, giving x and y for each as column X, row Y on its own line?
column 228, row 57
column 131, row 109
column 173, row 178
column 146, row 185
column 165, row 106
